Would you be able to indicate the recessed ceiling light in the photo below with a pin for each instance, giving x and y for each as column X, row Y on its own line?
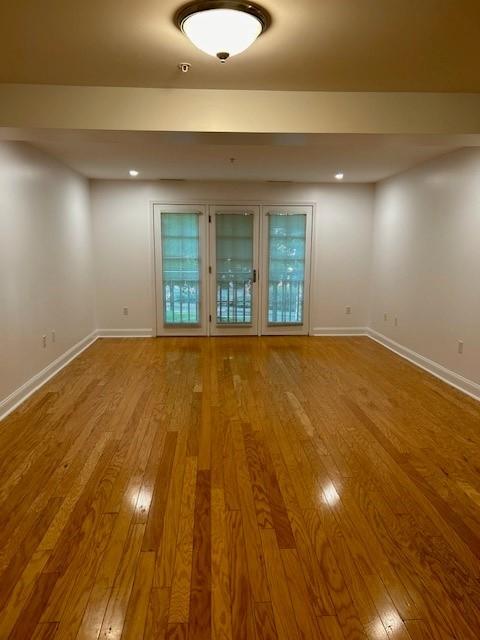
column 339, row 176
column 222, row 28
column 133, row 173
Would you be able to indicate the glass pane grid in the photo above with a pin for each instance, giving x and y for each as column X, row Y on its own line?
column 234, row 269
column 181, row 268
column 286, row 269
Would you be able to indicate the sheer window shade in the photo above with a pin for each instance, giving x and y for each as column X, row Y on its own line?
column 286, row 268
column 234, row 258
column 181, row 268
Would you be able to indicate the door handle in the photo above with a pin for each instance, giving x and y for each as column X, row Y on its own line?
column 254, row 279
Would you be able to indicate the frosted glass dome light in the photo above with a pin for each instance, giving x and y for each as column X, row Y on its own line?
column 222, row 29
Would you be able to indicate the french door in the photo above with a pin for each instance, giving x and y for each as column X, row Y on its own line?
column 234, row 236
column 286, row 242
column 181, row 249
column 232, row 270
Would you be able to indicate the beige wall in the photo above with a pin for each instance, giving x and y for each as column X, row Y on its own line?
column 46, row 275
column 122, row 231
column 408, row 248
column 426, row 261
column 214, row 110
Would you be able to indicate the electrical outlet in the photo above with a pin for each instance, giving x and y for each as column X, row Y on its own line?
column 396, row 321
column 125, row 311
column 460, row 346
column 54, row 337
column 44, row 341
column 385, row 317
column 348, row 311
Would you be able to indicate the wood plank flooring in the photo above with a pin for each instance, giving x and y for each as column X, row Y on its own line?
column 241, row 488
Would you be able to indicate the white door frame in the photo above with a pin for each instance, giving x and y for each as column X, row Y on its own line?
column 286, row 329
column 178, row 330
column 233, row 329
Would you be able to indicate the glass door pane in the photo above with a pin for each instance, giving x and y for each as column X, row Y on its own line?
column 180, row 269
column 286, row 269
column 234, row 254
column 287, row 247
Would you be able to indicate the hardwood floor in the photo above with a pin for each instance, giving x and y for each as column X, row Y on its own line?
column 241, row 488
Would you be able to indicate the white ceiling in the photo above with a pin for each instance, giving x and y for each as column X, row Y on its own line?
column 257, row 157
column 319, row 45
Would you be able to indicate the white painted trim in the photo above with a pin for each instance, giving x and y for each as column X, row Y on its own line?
column 465, row 385
column 17, row 397
column 339, row 331
column 125, row 333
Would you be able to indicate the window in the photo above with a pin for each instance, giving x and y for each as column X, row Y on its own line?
column 181, row 268
column 286, row 268
column 234, row 257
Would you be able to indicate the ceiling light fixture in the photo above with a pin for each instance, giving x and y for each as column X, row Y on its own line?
column 222, row 28
column 133, row 173
column 339, row 176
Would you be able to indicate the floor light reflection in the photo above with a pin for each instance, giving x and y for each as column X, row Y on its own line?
column 329, row 495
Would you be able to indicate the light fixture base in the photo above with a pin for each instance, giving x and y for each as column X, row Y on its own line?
column 252, row 8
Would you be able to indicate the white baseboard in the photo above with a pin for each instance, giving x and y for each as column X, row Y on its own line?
column 465, row 385
column 11, row 402
column 125, row 333
column 339, row 331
